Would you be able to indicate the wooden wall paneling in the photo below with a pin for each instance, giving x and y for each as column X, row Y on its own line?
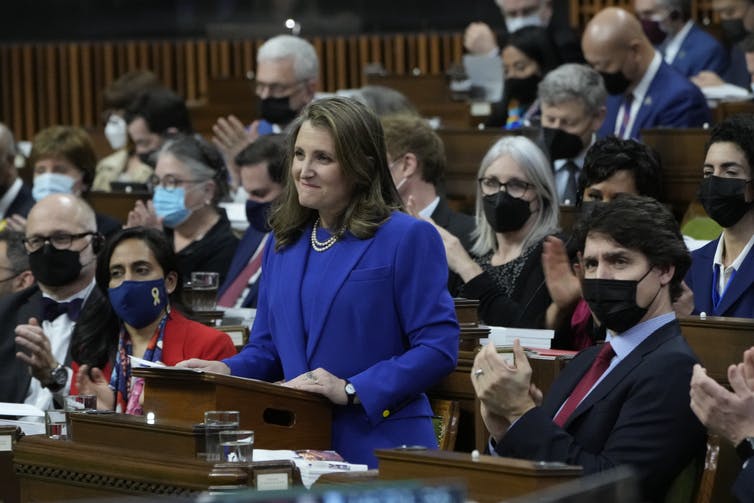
column 29, row 83
column 64, row 83
column 319, row 48
column 399, row 51
column 100, row 81
column 435, row 54
column 332, row 66
column 142, row 56
column 375, row 44
column 248, row 57
column 6, row 87
column 131, row 62
column 457, row 48
column 214, row 57
column 447, row 50
column 51, row 78
column 236, row 60
column 341, row 64
column 422, row 52
column 364, row 59
column 39, row 89
column 354, row 65
column 17, row 118
column 189, row 51
column 388, row 58
column 88, row 89
column 202, row 69
column 74, row 74
column 224, row 70
column 167, row 68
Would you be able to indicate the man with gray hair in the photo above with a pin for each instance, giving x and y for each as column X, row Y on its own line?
column 572, row 99
column 684, row 45
column 286, row 80
column 15, row 197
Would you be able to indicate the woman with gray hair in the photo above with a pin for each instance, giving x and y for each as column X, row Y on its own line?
column 516, row 208
column 190, row 180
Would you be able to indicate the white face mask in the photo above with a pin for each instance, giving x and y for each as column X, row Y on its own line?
column 516, row 23
column 116, row 132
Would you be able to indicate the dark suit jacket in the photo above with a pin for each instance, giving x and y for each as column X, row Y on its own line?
column 671, row 101
column 22, row 203
column 737, row 73
column 638, row 415
column 743, row 488
column 246, row 248
column 458, row 224
column 738, row 300
column 700, row 51
column 15, row 309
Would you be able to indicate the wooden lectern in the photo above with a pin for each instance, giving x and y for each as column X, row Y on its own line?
column 282, row 418
column 488, row 478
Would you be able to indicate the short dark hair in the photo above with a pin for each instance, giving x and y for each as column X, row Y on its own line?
column 739, row 130
column 125, row 89
column 643, row 224
column 410, row 133
column 269, row 149
column 161, row 109
column 535, row 42
column 16, row 252
column 612, row 154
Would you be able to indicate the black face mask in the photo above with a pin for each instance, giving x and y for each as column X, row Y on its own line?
column 733, row 30
column 277, row 110
column 149, row 158
column 616, row 82
column 613, row 302
column 257, row 214
column 653, row 31
column 524, row 90
column 724, row 199
column 561, row 144
column 505, row 213
column 53, row 267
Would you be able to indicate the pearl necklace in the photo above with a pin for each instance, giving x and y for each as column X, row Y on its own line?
column 320, row 246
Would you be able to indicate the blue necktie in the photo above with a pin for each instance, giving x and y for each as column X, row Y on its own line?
column 51, row 309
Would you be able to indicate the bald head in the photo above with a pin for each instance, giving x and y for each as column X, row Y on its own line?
column 57, row 209
column 7, row 143
column 614, row 43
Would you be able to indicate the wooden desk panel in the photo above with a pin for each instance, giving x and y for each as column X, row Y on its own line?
column 115, row 204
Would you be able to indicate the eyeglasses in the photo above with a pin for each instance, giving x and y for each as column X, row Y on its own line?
column 59, row 241
column 168, row 182
column 276, row 89
column 514, row 187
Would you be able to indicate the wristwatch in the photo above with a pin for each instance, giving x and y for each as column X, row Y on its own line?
column 58, row 378
column 745, row 449
column 350, row 393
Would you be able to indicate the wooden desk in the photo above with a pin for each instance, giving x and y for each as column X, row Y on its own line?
column 9, row 487
column 115, row 204
column 488, row 478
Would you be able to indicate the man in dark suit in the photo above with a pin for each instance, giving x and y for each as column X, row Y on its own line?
column 644, row 91
column 61, row 241
column 15, row 196
column 261, row 171
column 623, row 402
column 730, row 415
column 417, row 163
column 684, row 44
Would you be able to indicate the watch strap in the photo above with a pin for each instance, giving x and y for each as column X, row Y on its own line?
column 352, row 395
column 745, row 449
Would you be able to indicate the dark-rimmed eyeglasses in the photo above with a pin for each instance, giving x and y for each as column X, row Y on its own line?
column 59, row 241
column 514, row 187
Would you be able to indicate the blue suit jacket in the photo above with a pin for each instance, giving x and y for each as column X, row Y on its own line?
column 700, row 51
column 639, row 415
column 385, row 321
column 671, row 101
column 246, row 248
column 738, row 300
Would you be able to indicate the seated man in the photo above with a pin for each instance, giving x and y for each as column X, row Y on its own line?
column 261, row 169
column 15, row 196
column 572, row 98
column 624, row 403
column 684, row 44
column 417, row 163
column 730, row 415
column 644, row 91
column 722, row 272
column 14, row 263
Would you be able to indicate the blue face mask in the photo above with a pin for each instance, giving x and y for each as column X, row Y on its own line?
column 257, row 214
column 51, row 183
column 139, row 303
column 170, row 206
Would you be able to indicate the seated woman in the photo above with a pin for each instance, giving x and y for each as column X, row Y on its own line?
column 516, row 208
column 136, row 316
column 722, row 272
column 63, row 160
column 527, row 57
column 190, row 180
column 353, row 303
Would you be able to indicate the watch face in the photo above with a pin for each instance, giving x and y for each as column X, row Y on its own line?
column 350, row 390
column 60, row 376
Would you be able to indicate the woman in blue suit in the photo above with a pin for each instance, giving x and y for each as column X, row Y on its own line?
column 353, row 303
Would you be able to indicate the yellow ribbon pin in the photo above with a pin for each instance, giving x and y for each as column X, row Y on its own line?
column 156, row 296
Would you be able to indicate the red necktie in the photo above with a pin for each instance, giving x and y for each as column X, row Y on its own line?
column 626, row 115
column 599, row 365
column 229, row 298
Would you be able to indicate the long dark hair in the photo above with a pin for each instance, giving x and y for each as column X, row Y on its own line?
column 95, row 335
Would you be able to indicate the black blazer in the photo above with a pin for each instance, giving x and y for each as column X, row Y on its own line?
column 638, row 415
column 15, row 309
column 21, row 204
column 460, row 225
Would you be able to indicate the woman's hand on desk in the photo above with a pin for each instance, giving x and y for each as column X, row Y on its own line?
column 323, row 382
column 215, row 367
column 91, row 381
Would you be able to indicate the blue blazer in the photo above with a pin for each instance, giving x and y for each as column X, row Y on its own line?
column 671, row 101
column 639, row 415
column 246, row 248
column 384, row 321
column 738, row 300
column 700, row 51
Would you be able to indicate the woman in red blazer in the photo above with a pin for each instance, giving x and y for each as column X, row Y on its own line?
column 138, row 276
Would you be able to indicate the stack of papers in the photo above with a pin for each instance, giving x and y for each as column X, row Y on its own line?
column 310, row 469
column 726, row 92
column 502, row 337
column 30, row 418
